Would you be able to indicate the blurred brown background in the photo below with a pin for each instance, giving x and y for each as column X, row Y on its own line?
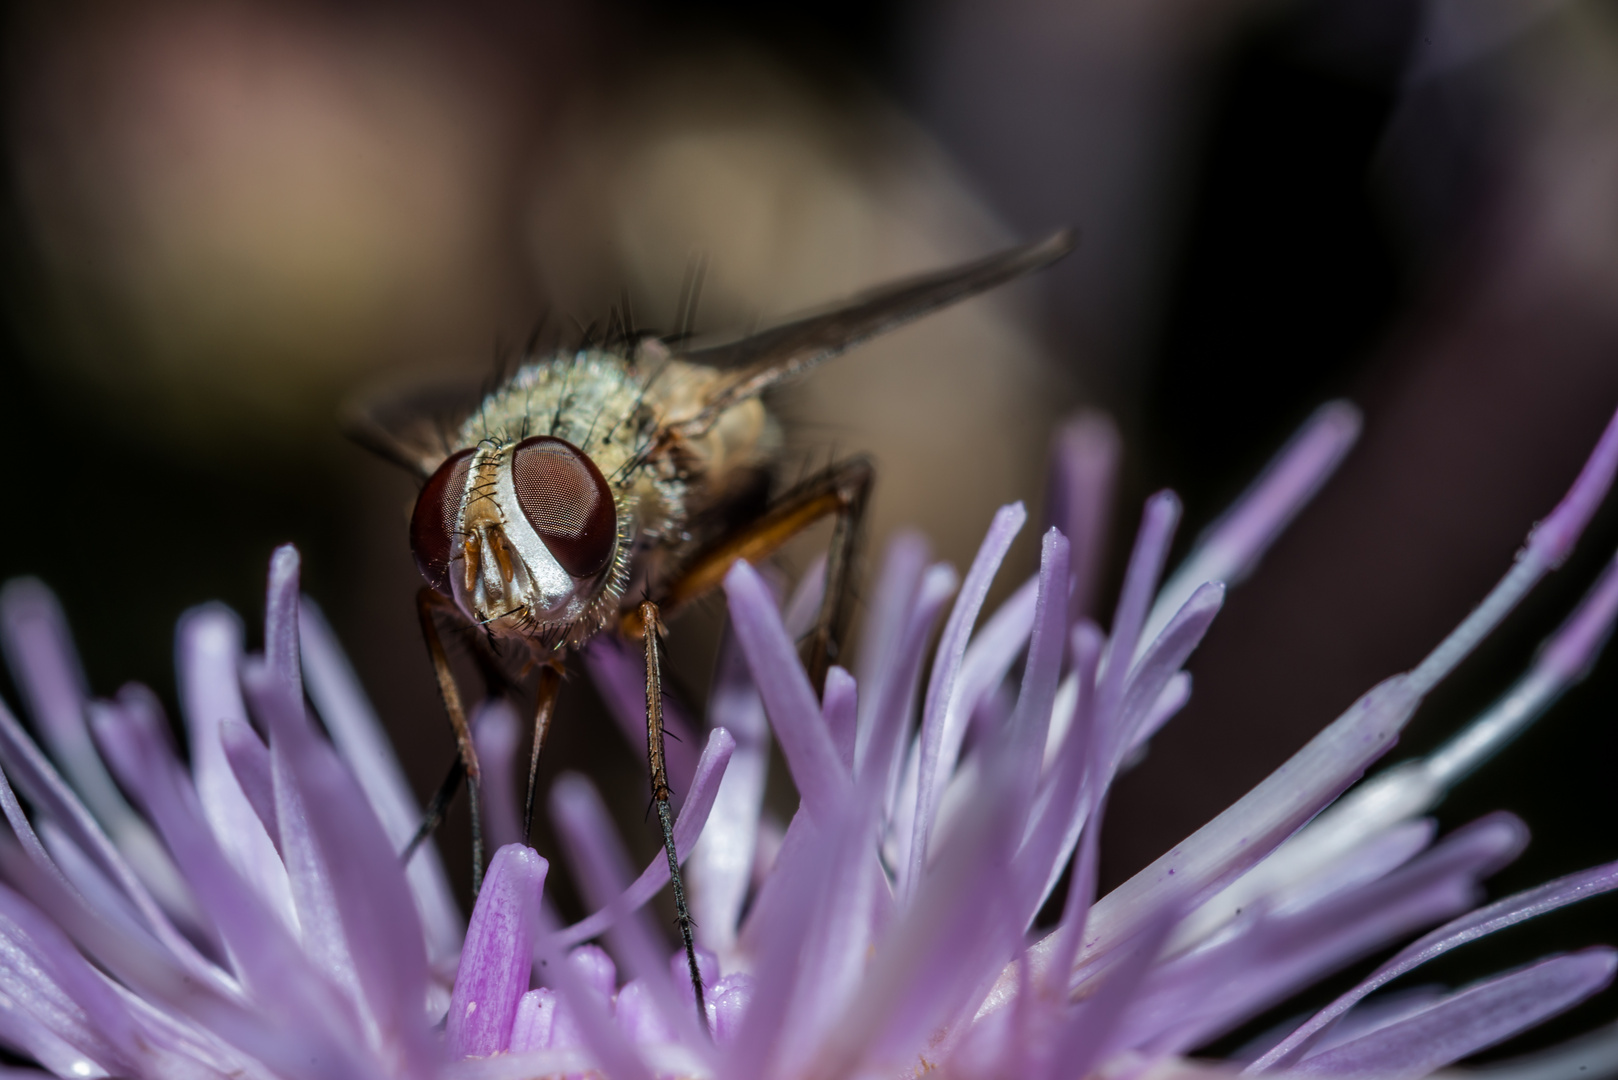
column 221, row 219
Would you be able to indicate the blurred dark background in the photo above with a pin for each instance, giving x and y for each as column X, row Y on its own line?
column 220, row 220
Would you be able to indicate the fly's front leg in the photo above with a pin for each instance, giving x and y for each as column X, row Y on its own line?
column 841, row 491
column 661, row 794
column 427, row 603
column 550, row 684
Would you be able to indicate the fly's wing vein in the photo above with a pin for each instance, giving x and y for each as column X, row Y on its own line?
column 762, row 360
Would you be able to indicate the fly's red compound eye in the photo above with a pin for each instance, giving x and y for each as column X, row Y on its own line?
column 567, row 501
column 432, row 524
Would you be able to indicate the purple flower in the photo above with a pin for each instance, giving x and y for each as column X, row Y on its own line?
column 244, row 914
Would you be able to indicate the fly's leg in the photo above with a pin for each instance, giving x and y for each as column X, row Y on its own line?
column 843, row 491
column 427, row 602
column 550, row 684
column 436, row 808
column 661, row 794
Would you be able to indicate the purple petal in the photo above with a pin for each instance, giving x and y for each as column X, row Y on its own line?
column 1211, row 990
column 1084, row 464
column 993, row 650
column 1230, row 548
column 583, row 1008
column 888, row 718
column 249, row 761
column 779, row 927
column 1253, row 826
column 495, row 731
column 45, row 666
column 1485, row 920
column 1159, row 663
column 281, row 648
column 1025, row 736
column 618, row 669
column 840, row 707
column 354, row 903
column 881, row 637
column 602, row 867
column 1553, row 538
column 789, row 702
column 58, row 1010
column 269, row 960
column 837, row 949
column 688, row 827
column 1157, row 524
column 1548, row 544
column 531, row 1028
column 208, row 648
column 728, row 1005
column 44, row 788
column 1466, row 1022
column 1174, row 696
column 721, row 863
column 638, row 1017
column 363, row 744
column 947, row 661
column 497, row 957
column 1094, row 1030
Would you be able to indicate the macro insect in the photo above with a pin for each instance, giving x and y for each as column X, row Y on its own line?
column 597, row 491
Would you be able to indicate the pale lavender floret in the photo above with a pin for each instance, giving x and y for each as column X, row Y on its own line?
column 1573, row 648
column 1024, row 736
column 269, row 963
column 348, row 852
column 536, row 1015
column 839, row 702
column 1141, row 578
column 1469, row 927
column 359, row 737
column 208, row 655
column 688, row 827
column 1275, row 950
column 583, row 1016
column 729, row 999
column 895, row 695
column 948, row 658
column 33, row 774
column 618, row 670
column 1231, row 548
column 1467, row 1021
column 790, row 703
column 721, row 862
column 249, row 761
column 496, row 958
column 45, row 667
column 495, row 731
column 894, row 592
column 1084, row 465
column 602, row 868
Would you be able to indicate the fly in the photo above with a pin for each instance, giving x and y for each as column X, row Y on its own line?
column 589, row 494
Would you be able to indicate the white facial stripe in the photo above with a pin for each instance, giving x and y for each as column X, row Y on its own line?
column 552, row 584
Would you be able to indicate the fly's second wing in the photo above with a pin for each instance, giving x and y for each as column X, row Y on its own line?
column 755, row 363
column 410, row 423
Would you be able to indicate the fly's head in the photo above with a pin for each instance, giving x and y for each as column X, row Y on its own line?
column 524, row 537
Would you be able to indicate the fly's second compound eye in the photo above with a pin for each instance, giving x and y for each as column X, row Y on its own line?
column 432, row 524
column 567, row 501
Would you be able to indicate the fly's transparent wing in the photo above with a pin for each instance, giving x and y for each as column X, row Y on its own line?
column 759, row 361
column 411, row 422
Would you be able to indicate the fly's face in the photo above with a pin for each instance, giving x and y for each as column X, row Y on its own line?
column 523, row 536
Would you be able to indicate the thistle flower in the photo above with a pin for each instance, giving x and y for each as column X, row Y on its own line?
column 247, row 915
